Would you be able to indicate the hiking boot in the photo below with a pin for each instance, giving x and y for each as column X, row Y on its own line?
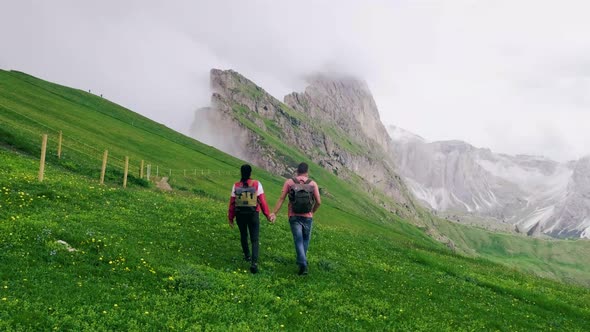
column 254, row 268
column 303, row 270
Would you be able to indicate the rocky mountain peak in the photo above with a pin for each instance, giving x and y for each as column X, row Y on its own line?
column 222, row 80
column 347, row 101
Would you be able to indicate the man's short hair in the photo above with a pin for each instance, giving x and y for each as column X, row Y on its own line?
column 302, row 168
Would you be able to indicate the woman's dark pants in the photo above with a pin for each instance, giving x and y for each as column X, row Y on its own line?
column 249, row 223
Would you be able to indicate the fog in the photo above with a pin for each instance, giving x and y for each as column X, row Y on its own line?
column 513, row 76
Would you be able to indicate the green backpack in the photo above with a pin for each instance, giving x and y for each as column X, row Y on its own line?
column 301, row 196
column 246, row 200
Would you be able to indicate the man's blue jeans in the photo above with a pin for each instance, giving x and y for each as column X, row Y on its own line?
column 301, row 229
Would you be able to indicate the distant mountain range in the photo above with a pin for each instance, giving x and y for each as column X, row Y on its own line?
column 534, row 194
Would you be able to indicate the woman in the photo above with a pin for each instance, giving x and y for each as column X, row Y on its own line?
column 247, row 199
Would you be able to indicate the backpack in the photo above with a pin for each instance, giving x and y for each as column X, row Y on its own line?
column 246, row 200
column 301, row 196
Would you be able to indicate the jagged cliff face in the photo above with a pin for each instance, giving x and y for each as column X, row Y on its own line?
column 335, row 123
column 221, row 125
column 533, row 194
column 571, row 216
column 346, row 102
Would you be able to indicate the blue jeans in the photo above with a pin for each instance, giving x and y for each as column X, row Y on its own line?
column 301, row 229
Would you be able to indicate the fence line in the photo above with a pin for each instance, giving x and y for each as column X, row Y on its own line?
column 66, row 147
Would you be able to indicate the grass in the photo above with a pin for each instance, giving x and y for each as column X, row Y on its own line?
column 251, row 91
column 146, row 259
column 564, row 260
column 168, row 261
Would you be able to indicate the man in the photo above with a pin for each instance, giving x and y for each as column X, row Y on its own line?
column 304, row 201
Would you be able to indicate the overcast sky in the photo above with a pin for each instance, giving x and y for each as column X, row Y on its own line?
column 510, row 75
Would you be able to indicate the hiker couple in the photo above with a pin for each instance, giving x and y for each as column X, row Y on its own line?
column 248, row 199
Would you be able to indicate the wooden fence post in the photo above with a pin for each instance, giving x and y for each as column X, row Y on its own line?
column 42, row 162
column 141, row 170
column 126, row 171
column 105, row 156
column 149, row 170
column 59, row 145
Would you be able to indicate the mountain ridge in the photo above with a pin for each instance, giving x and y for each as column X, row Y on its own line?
column 535, row 194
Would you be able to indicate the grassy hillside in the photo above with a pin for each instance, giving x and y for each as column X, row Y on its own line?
column 565, row 260
column 168, row 261
column 91, row 124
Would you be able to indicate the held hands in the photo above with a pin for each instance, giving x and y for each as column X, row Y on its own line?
column 272, row 218
column 231, row 223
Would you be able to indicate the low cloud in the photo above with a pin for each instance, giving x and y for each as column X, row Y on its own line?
column 512, row 76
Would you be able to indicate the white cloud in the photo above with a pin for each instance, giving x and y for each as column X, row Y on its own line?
column 510, row 75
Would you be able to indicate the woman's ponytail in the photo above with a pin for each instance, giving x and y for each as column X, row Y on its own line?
column 246, row 171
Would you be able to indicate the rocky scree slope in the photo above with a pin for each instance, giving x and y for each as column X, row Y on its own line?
column 334, row 123
column 527, row 194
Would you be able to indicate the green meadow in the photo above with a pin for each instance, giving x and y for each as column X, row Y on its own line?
column 76, row 255
column 565, row 260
